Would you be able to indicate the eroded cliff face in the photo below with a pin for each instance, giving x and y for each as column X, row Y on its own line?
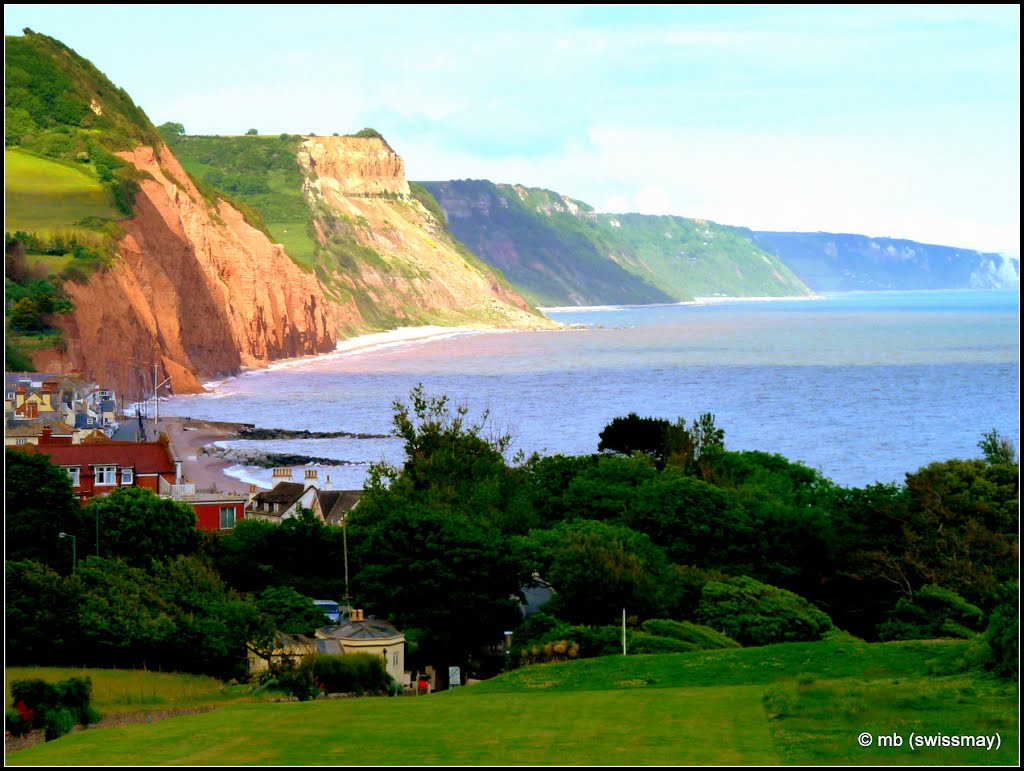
column 415, row 273
column 197, row 290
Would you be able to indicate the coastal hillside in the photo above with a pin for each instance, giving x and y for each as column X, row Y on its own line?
column 117, row 256
column 559, row 251
column 342, row 207
column 114, row 258
column 831, row 262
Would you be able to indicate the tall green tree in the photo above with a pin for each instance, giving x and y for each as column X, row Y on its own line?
column 138, row 526
column 448, row 581
column 38, row 506
column 597, row 569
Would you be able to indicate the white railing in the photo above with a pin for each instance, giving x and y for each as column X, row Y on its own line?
column 178, row 491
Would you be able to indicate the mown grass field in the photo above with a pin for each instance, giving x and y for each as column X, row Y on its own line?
column 44, row 196
column 797, row 704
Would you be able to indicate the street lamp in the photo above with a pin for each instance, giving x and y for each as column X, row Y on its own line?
column 74, row 550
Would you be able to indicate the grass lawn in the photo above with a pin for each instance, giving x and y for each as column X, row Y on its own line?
column 794, row 704
column 43, row 196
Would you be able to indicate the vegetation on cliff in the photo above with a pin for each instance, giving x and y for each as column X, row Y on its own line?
column 559, row 251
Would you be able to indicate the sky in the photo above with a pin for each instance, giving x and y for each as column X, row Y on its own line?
column 899, row 121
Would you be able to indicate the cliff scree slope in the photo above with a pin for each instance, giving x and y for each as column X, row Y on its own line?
column 196, row 286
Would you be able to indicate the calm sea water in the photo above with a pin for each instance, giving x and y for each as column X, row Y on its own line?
column 864, row 387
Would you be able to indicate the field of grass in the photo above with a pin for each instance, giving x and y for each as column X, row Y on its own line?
column 45, row 196
column 129, row 690
column 791, row 704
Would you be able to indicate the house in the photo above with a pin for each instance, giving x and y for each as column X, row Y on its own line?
column 47, row 430
column 367, row 635
column 336, row 504
column 283, row 501
column 101, row 467
column 286, row 646
column 218, row 512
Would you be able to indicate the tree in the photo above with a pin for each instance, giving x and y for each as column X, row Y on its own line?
column 634, row 434
column 170, row 129
column 288, row 611
column 251, row 133
column 452, row 465
column 40, row 615
column 448, row 581
column 139, row 526
column 26, row 315
column 39, row 505
column 596, row 569
column 753, row 613
column 997, row 448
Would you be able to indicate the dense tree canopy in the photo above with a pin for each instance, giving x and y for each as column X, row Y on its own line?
column 38, row 506
column 137, row 525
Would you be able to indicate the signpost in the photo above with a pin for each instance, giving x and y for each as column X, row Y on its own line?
column 454, row 678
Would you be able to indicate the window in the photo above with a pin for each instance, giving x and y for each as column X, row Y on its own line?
column 394, row 659
column 276, row 507
column 127, row 476
column 227, row 517
column 21, row 440
column 106, row 475
column 73, row 472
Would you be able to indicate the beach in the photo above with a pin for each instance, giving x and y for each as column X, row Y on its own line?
column 189, row 436
column 207, row 472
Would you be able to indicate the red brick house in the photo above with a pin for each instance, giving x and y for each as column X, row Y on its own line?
column 103, row 467
column 218, row 512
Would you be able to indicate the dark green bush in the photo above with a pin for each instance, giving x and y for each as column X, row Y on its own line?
column 353, row 673
column 1003, row 633
column 753, row 613
column 57, row 707
column 702, row 637
column 642, row 642
column 930, row 613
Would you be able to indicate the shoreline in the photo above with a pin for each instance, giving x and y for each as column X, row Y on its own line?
column 694, row 301
column 364, row 343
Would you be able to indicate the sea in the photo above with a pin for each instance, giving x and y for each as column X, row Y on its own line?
column 864, row 387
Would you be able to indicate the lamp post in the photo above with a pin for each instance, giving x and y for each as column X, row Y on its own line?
column 74, row 550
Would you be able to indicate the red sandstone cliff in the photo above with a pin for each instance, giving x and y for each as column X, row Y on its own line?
column 197, row 290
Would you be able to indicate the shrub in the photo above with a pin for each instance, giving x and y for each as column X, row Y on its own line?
column 1003, row 633
column 932, row 612
column 701, row 637
column 642, row 642
column 55, row 707
column 353, row 673
column 753, row 613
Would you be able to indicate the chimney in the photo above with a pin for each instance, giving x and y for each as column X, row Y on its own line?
column 311, row 475
column 327, row 484
column 47, row 437
column 253, row 489
column 283, row 473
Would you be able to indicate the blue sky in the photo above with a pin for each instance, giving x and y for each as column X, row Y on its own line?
column 899, row 121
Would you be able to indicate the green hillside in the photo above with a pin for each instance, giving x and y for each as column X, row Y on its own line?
column 559, row 251
column 794, row 704
column 259, row 172
column 44, row 195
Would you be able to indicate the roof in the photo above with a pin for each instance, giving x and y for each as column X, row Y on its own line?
column 370, row 629
column 35, row 426
column 284, row 493
column 145, row 457
column 336, row 503
column 331, row 647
